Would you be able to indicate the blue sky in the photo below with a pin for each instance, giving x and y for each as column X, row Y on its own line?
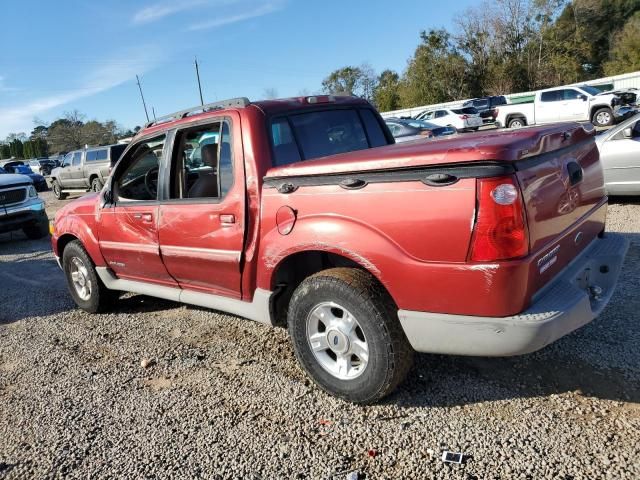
column 57, row 56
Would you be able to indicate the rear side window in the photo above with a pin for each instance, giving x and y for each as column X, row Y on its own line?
column 305, row 136
column 91, row 156
column 552, row 96
column 467, row 110
column 499, row 100
column 478, row 104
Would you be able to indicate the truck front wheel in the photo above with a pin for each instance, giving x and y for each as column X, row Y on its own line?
column 346, row 335
column 57, row 190
column 603, row 117
column 96, row 185
column 83, row 282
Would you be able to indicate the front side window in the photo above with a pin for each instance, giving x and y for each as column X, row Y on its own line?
column 571, row 94
column 77, row 159
column 202, row 162
column 138, row 177
column 67, row 160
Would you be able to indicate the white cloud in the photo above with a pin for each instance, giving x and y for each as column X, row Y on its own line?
column 160, row 10
column 111, row 73
column 265, row 9
column 3, row 86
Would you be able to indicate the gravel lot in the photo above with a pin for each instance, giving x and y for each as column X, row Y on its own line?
column 224, row 398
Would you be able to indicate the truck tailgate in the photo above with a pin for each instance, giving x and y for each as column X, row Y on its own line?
column 563, row 192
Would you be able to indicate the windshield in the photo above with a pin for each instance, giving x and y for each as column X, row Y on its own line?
column 590, row 90
column 22, row 169
column 322, row 133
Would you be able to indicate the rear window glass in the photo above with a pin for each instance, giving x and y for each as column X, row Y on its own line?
column 317, row 134
column 467, row 110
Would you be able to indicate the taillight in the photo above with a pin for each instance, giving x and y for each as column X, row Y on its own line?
column 464, row 117
column 500, row 230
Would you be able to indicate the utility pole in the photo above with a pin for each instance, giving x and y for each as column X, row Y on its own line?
column 142, row 96
column 198, row 77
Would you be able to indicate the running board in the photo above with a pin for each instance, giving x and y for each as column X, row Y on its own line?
column 257, row 310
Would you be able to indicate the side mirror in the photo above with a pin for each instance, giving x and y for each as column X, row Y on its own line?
column 583, row 98
column 627, row 132
column 107, row 195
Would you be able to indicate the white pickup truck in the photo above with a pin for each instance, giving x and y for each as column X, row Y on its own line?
column 563, row 104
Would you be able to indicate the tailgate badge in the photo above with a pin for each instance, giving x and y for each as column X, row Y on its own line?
column 548, row 259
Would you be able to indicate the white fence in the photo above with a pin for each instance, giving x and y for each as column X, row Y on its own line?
column 626, row 80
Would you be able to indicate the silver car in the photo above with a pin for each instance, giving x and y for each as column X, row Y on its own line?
column 620, row 155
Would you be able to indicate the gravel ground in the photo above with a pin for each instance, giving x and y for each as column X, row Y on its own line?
column 224, row 398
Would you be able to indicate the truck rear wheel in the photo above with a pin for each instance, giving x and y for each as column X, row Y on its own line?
column 346, row 335
column 603, row 117
column 517, row 122
column 57, row 190
column 83, row 282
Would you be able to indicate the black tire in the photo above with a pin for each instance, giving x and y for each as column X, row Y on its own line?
column 516, row 122
column 57, row 190
column 96, row 185
column 390, row 355
column 100, row 297
column 603, row 117
column 39, row 230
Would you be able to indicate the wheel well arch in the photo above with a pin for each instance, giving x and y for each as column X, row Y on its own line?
column 595, row 108
column 92, row 176
column 511, row 116
column 295, row 268
column 63, row 241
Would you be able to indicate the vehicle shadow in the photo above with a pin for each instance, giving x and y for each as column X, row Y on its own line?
column 600, row 360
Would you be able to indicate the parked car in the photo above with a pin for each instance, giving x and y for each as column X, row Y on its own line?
column 487, row 107
column 620, row 156
column 20, row 206
column 304, row 214
column 564, row 104
column 405, row 130
column 84, row 170
column 18, row 166
column 465, row 118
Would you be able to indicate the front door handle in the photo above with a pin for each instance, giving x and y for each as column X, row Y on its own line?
column 145, row 217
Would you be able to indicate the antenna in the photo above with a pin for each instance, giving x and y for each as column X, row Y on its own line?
column 198, row 77
column 153, row 110
column 142, row 96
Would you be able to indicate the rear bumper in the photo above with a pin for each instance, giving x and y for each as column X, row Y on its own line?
column 575, row 297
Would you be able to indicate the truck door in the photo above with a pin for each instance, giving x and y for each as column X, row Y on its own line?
column 573, row 105
column 75, row 170
column 64, row 175
column 549, row 109
column 127, row 232
column 620, row 156
column 202, row 217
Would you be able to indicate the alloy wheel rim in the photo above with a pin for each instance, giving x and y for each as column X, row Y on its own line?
column 337, row 341
column 516, row 124
column 80, row 278
column 603, row 118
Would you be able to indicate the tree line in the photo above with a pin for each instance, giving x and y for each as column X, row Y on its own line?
column 500, row 47
column 67, row 133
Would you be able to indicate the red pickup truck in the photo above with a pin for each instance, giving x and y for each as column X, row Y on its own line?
column 302, row 213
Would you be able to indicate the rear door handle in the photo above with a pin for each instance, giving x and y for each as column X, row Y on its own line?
column 227, row 219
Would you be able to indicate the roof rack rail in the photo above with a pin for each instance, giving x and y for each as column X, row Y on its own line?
column 239, row 102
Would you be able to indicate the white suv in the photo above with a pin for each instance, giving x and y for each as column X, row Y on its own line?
column 466, row 118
